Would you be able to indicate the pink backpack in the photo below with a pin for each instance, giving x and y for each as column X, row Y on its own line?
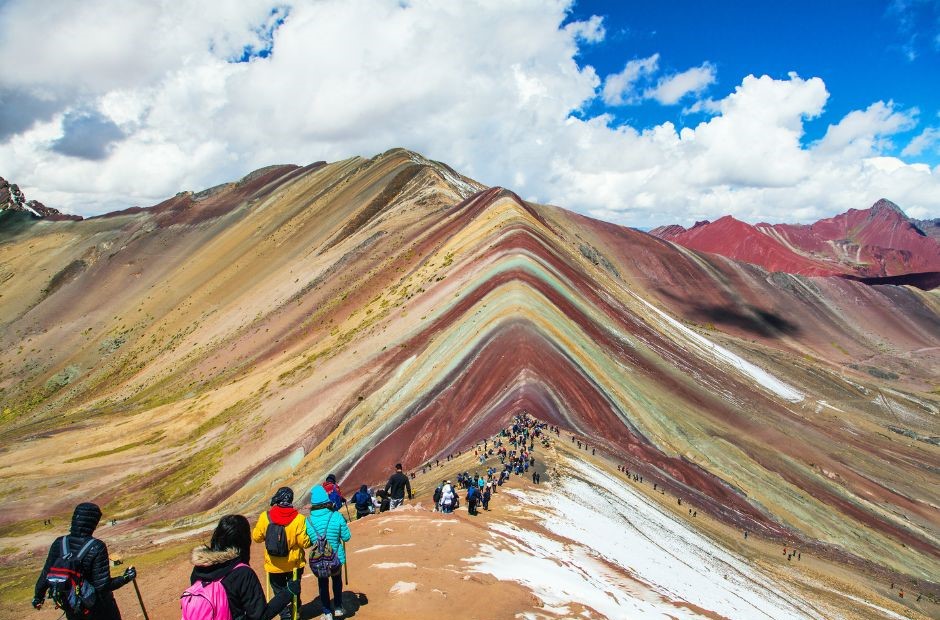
column 207, row 601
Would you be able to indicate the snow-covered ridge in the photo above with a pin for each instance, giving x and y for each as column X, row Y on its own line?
column 615, row 551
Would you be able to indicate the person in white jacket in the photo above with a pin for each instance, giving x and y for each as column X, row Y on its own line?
column 448, row 497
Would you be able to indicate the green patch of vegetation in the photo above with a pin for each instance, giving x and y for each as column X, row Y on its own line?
column 18, row 582
column 190, row 475
column 223, row 418
column 29, row 526
column 156, row 437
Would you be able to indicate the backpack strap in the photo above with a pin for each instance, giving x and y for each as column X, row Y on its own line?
column 84, row 549
column 326, row 530
column 65, row 545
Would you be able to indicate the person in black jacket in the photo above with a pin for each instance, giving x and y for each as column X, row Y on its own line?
column 95, row 566
column 396, row 486
column 230, row 546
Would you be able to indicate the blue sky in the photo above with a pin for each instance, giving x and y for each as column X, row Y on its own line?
column 863, row 50
column 639, row 113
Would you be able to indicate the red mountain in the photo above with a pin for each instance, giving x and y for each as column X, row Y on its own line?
column 876, row 242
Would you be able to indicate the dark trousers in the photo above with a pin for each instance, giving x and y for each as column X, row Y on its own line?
column 278, row 583
column 324, row 584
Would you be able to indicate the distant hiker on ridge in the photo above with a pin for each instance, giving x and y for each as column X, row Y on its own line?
column 396, row 486
column 283, row 531
column 80, row 552
column 225, row 562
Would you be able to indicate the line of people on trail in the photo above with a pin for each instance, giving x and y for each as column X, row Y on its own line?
column 513, row 446
column 76, row 576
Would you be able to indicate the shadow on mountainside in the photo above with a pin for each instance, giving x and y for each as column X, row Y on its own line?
column 748, row 318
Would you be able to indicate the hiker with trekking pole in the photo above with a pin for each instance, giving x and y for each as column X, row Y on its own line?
column 328, row 533
column 77, row 573
column 284, row 533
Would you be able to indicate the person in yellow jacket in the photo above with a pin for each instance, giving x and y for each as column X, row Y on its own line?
column 283, row 531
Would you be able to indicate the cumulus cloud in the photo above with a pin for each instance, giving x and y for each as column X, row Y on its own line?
column 926, row 141
column 200, row 93
column 672, row 88
column 621, row 88
column 590, row 31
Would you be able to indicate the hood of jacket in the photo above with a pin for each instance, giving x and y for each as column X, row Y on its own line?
column 85, row 519
column 280, row 515
column 211, row 565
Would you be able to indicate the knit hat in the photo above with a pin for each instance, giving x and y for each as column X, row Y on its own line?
column 85, row 519
column 331, row 478
column 283, row 498
column 319, row 498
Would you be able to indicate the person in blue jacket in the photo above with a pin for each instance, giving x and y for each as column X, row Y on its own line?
column 323, row 521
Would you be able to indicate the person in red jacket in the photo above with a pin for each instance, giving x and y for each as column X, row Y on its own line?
column 282, row 569
column 333, row 492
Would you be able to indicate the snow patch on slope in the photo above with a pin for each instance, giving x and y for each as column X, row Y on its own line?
column 757, row 374
column 617, row 552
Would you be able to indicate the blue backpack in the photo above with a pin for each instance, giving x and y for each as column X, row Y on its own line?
column 332, row 492
column 363, row 501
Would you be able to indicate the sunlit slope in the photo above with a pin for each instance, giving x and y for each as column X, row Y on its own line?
column 343, row 317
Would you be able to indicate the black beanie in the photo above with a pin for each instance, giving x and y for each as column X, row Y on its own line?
column 284, row 497
column 85, row 519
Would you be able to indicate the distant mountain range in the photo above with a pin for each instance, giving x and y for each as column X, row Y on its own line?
column 12, row 199
column 879, row 242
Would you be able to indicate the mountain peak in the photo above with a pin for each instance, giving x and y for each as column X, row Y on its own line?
column 13, row 199
column 886, row 205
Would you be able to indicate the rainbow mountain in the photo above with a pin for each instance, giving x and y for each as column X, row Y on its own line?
column 177, row 362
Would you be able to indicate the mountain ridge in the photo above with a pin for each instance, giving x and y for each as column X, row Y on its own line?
column 880, row 241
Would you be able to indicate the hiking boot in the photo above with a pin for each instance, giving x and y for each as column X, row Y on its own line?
column 327, row 615
column 339, row 612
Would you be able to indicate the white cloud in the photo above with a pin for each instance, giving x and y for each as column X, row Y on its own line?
column 620, row 88
column 492, row 88
column 927, row 140
column 862, row 133
column 671, row 89
column 590, row 31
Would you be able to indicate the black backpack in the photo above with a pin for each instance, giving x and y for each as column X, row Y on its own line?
column 275, row 540
column 68, row 588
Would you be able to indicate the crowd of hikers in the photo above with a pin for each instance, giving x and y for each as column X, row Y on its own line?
column 77, row 579
column 76, row 575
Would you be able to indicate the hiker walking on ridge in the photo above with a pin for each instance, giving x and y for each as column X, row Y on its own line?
column 396, row 486
column 448, row 497
column 328, row 531
column 333, row 492
column 79, row 552
column 283, row 531
column 363, row 502
column 225, row 561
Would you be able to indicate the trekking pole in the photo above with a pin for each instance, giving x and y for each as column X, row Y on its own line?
column 348, row 518
column 346, row 563
column 140, row 599
column 296, row 598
